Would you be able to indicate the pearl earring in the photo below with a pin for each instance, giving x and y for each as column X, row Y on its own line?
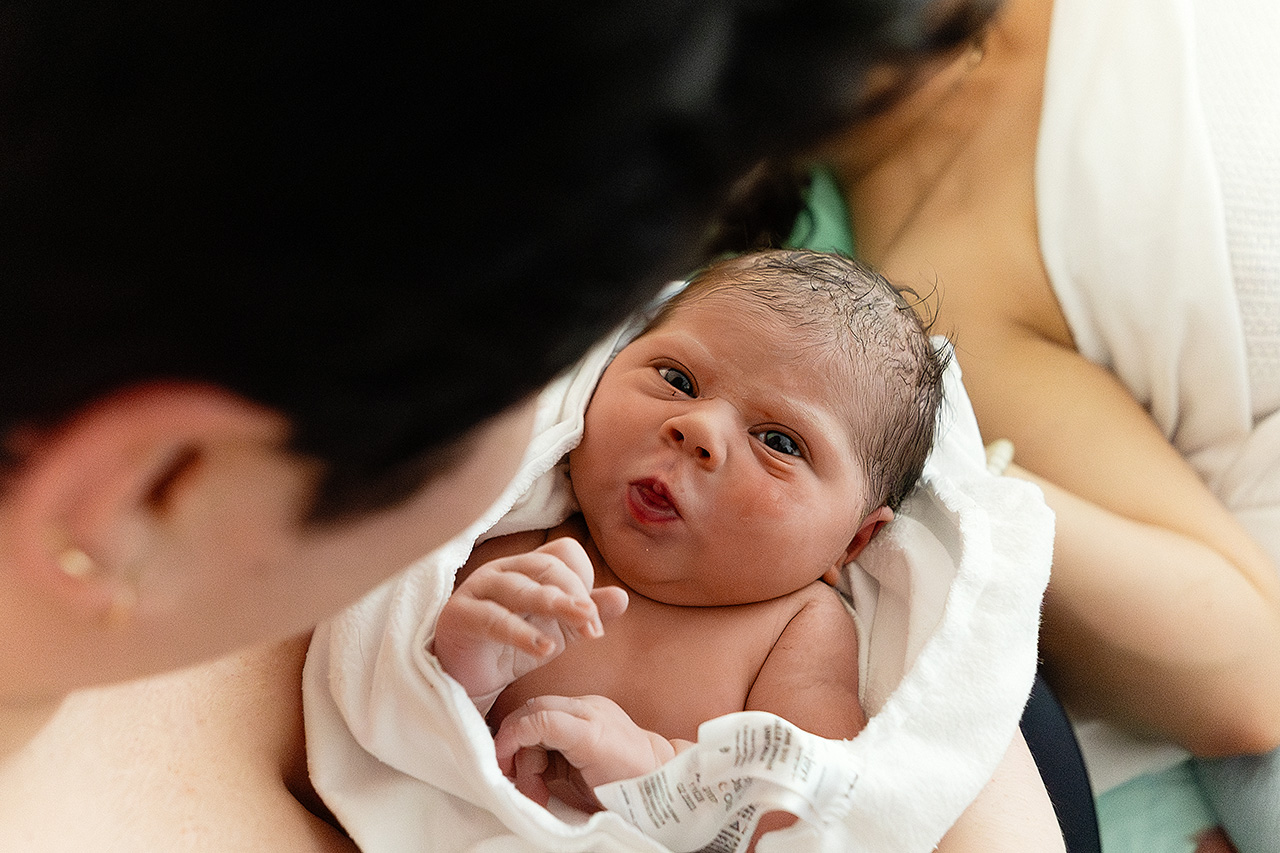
column 76, row 563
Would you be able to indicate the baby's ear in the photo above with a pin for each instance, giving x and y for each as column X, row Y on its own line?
column 871, row 525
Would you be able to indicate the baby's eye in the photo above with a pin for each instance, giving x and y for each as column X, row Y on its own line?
column 678, row 380
column 781, row 442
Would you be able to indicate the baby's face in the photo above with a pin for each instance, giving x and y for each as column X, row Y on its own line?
column 717, row 466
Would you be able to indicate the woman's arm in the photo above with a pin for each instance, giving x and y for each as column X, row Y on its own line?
column 1159, row 629
column 1012, row 814
column 206, row 759
column 1161, row 612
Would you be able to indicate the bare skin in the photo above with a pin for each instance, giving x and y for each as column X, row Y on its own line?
column 183, row 510
column 686, row 665
column 1011, row 815
column 231, row 775
column 187, row 511
column 719, row 660
column 1162, row 614
column 209, row 758
column 707, row 661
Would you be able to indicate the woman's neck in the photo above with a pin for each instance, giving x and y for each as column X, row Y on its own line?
column 884, row 137
column 896, row 160
column 892, row 165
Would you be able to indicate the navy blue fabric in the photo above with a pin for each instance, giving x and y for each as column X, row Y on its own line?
column 1057, row 755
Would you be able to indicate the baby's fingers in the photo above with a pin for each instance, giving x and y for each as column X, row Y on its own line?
column 529, row 765
column 570, row 554
column 590, row 732
column 486, row 619
column 611, row 602
column 547, row 722
column 528, row 598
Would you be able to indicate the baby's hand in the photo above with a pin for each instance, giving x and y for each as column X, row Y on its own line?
column 597, row 739
column 516, row 613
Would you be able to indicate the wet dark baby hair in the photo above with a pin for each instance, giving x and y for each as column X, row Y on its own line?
column 864, row 325
column 386, row 221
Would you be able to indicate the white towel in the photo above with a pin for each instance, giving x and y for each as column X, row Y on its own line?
column 948, row 609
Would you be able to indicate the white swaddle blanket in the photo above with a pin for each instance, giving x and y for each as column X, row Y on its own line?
column 1133, row 232
column 947, row 599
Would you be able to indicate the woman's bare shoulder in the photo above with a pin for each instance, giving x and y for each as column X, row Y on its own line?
column 208, row 758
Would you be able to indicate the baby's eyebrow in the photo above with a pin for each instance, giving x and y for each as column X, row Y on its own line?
column 677, row 339
column 815, row 424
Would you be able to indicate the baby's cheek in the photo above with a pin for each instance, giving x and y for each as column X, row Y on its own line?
column 766, row 504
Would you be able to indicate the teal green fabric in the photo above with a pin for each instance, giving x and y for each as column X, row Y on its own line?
column 1154, row 813
column 823, row 223
column 1244, row 792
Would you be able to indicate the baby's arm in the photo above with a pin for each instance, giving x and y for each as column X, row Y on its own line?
column 810, row 678
column 516, row 612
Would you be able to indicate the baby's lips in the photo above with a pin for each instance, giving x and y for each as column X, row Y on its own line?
column 652, row 500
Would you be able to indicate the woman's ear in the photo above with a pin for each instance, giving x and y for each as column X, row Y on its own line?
column 88, row 500
column 870, row 526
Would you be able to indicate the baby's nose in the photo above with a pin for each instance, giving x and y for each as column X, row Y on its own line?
column 702, row 434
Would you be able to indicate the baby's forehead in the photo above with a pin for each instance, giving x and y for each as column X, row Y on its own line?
column 777, row 315
column 809, row 332
column 802, row 333
column 807, row 349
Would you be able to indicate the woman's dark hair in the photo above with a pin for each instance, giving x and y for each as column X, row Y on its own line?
column 387, row 221
column 761, row 207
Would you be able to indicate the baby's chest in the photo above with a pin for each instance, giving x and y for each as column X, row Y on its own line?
column 669, row 668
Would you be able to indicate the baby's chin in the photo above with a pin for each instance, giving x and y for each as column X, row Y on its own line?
column 685, row 592
column 660, row 575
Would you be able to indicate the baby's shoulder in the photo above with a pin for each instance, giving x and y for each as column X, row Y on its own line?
column 819, row 599
column 810, row 675
column 818, row 613
column 813, row 614
column 505, row 546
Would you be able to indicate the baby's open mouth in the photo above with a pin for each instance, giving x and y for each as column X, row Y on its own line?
column 650, row 500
